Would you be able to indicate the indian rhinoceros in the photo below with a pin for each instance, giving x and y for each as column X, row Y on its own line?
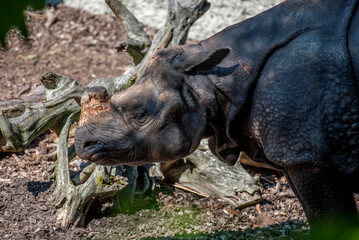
column 281, row 86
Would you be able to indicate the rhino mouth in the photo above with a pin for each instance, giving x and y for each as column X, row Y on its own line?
column 105, row 155
column 110, row 158
column 98, row 153
column 102, row 157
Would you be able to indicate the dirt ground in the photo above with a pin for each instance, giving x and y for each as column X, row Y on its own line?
column 79, row 45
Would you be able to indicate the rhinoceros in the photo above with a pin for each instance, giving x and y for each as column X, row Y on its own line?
column 281, row 86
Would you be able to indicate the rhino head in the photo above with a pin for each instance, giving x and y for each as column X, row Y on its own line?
column 161, row 117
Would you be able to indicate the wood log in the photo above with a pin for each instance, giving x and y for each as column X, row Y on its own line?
column 245, row 160
column 18, row 131
column 202, row 173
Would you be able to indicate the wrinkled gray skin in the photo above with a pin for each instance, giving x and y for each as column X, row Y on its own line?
column 282, row 86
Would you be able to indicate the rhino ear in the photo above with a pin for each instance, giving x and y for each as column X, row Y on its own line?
column 200, row 61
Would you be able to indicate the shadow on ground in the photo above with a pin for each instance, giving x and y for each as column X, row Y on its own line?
column 286, row 230
column 292, row 230
column 36, row 187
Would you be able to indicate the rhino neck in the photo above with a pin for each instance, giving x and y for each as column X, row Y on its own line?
column 220, row 118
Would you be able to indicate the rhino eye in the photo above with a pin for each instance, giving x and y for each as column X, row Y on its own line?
column 139, row 117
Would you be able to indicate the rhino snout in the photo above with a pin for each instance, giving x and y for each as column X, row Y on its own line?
column 85, row 149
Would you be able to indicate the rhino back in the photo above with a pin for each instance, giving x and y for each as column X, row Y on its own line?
column 254, row 40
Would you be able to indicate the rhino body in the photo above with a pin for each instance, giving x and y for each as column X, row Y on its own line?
column 281, row 86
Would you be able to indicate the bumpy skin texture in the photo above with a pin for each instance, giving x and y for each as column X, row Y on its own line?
column 282, row 86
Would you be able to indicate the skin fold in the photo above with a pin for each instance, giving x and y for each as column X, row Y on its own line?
column 281, row 86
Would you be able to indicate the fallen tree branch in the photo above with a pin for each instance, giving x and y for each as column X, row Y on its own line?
column 203, row 174
column 245, row 160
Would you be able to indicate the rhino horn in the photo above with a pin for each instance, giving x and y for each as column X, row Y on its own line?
column 93, row 101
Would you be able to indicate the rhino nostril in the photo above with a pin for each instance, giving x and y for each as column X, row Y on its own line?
column 89, row 144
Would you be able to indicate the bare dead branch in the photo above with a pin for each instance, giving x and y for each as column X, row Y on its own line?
column 181, row 14
column 138, row 43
